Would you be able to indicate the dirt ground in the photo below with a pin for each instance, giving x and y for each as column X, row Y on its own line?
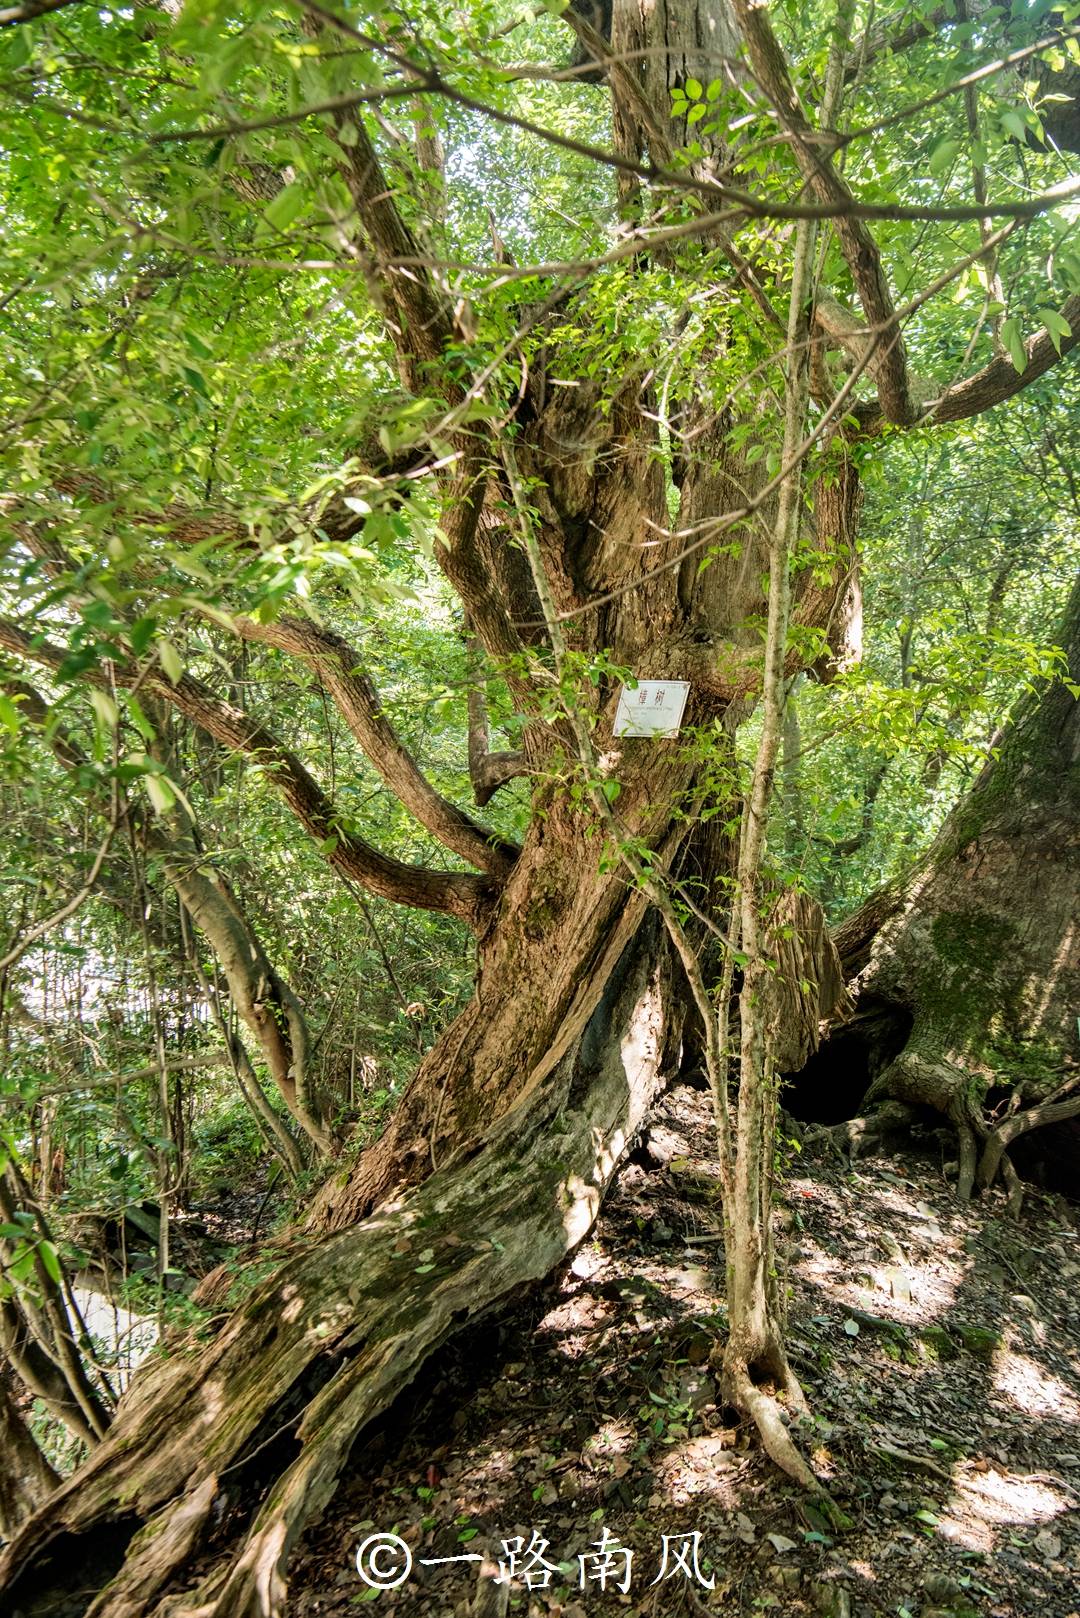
column 940, row 1349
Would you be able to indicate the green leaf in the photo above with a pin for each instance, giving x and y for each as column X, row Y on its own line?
column 197, row 343
column 942, row 156
column 696, row 112
column 170, row 660
column 142, row 633
column 22, row 1265
column 160, row 793
column 139, row 719
column 286, row 206
column 197, row 380
column 1056, row 325
column 693, row 89
column 1014, row 124
column 105, row 708
column 1010, row 336
column 9, row 714
column 50, row 1260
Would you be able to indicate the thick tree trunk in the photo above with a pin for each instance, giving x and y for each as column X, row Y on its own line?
column 521, row 1111
column 269, row 1411
column 981, row 951
column 540, row 974
column 499, row 1152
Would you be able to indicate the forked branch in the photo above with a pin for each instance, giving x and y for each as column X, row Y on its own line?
column 860, row 250
column 460, row 894
column 356, row 698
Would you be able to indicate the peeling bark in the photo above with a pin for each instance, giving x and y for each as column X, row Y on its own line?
column 323, row 1346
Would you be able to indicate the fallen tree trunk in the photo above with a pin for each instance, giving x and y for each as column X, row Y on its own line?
column 254, row 1429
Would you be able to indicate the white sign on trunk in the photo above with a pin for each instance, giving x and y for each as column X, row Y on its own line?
column 652, row 708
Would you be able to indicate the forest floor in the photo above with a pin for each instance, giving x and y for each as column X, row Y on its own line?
column 940, row 1349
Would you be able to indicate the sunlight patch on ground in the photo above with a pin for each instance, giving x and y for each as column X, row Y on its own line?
column 864, row 1569
column 589, row 1261
column 922, row 1267
column 1022, row 1382
column 575, row 1321
column 703, row 1468
column 915, row 1293
column 985, row 1503
column 613, row 1438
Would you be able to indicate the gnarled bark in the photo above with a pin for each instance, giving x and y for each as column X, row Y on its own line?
column 324, row 1345
column 981, row 948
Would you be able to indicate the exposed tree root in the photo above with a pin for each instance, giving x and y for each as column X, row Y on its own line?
column 968, row 1156
column 1053, row 1109
column 764, row 1411
column 919, row 1080
column 1014, row 1185
column 916, row 1079
column 793, row 1391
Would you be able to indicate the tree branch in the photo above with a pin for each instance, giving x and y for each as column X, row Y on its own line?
column 418, row 317
column 861, row 252
column 488, row 771
column 1000, row 380
column 878, row 39
column 468, row 897
column 337, row 666
column 11, row 15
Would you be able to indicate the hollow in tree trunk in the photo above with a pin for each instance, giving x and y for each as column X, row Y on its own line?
column 980, row 950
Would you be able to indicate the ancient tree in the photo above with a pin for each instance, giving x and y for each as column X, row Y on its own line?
column 601, row 514
column 967, row 1002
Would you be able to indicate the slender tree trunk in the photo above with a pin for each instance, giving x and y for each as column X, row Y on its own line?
column 264, row 1001
column 755, row 1346
column 26, row 1477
